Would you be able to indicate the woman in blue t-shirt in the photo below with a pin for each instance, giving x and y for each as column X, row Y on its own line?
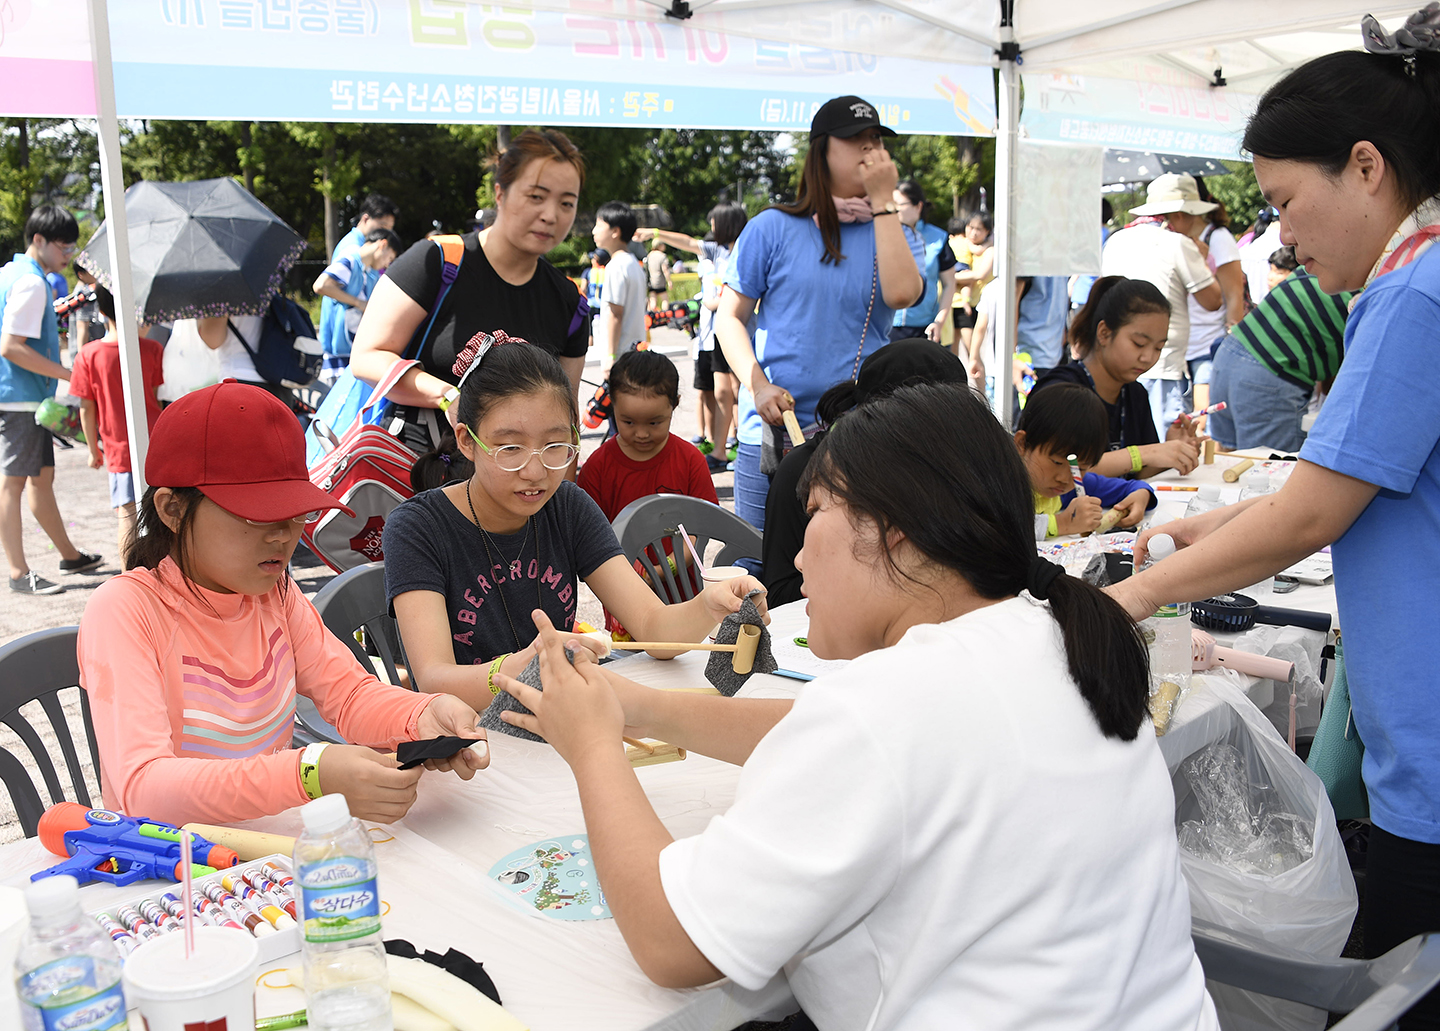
column 1347, row 147
column 829, row 279
column 931, row 246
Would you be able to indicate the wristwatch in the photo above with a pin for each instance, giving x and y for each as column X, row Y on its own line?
column 888, row 209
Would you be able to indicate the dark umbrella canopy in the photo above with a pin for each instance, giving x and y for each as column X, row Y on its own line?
column 1141, row 166
column 200, row 248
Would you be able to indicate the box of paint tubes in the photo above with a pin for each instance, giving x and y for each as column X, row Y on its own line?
column 259, row 897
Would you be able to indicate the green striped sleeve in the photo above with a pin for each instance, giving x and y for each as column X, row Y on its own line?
column 1298, row 330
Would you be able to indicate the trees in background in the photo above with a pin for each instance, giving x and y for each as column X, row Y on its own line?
column 314, row 175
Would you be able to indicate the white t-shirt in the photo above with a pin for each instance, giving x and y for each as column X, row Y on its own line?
column 940, row 837
column 1255, row 261
column 1173, row 263
column 25, row 307
column 190, row 364
column 989, row 351
column 625, row 285
column 1208, row 326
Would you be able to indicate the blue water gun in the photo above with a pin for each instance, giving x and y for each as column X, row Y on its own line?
column 119, row 849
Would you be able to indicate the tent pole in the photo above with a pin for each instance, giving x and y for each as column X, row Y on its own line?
column 1006, row 313
column 112, row 185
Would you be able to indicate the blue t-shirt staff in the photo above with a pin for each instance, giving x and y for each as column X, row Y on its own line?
column 1368, row 479
column 828, row 273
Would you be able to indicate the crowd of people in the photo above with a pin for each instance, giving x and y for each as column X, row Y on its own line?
column 907, row 520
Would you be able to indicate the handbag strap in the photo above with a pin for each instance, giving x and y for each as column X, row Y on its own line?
column 387, row 383
column 452, row 253
column 865, row 326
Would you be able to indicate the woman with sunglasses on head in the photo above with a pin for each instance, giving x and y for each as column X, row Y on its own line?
column 1347, row 148
column 468, row 563
column 192, row 659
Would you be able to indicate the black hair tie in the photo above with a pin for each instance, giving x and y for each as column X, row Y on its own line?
column 1041, row 575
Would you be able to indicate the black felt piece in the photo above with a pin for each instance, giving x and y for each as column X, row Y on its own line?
column 490, row 718
column 453, row 962
column 720, row 670
column 412, row 753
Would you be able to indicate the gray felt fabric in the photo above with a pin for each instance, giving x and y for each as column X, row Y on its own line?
column 720, row 670
column 490, row 718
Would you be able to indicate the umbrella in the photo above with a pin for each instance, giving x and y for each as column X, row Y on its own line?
column 200, row 248
column 1141, row 166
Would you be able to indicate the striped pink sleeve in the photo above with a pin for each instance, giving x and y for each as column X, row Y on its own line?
column 167, row 751
column 365, row 710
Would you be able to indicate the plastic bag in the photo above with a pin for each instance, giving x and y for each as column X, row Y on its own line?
column 1311, row 905
column 1301, row 647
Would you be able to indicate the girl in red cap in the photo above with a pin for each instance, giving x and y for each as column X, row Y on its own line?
column 467, row 564
column 192, row 658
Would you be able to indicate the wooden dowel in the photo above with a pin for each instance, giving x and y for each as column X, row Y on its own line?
column 792, row 427
column 1233, row 473
column 648, row 749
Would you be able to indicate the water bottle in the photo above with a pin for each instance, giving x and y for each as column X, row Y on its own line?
column 1167, row 635
column 1255, row 483
column 347, row 986
column 67, row 972
column 1206, row 499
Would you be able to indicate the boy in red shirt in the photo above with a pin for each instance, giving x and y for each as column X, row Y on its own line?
column 643, row 458
column 95, row 380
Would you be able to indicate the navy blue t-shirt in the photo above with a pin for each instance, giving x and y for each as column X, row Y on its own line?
column 431, row 546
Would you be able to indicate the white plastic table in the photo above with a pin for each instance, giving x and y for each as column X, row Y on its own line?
column 551, row 974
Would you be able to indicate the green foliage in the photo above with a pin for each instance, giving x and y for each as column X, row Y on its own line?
column 44, row 161
column 1239, row 192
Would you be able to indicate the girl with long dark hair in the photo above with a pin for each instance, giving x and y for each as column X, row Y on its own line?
column 830, row 269
column 914, row 837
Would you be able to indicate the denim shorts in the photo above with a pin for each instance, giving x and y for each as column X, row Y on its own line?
column 122, row 489
column 1262, row 410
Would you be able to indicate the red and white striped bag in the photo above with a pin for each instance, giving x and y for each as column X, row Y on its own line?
column 368, row 471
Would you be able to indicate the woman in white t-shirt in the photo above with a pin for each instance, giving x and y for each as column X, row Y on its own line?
column 1208, row 328
column 970, row 823
column 206, row 350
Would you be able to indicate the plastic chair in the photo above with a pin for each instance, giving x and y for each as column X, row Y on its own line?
column 354, row 600
column 644, row 526
column 37, row 667
column 1374, row 992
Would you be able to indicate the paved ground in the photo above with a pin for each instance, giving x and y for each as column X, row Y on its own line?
column 84, row 500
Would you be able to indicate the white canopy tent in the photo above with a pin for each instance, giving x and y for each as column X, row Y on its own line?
column 1147, row 69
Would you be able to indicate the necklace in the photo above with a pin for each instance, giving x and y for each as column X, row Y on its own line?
column 485, row 537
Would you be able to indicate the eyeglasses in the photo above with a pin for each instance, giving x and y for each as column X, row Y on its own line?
column 300, row 520
column 511, row 458
column 66, row 249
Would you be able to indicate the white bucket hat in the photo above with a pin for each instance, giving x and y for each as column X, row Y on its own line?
column 1172, row 192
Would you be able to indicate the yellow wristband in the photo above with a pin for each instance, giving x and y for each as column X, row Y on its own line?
column 310, row 768
column 1136, row 462
column 495, row 668
column 449, row 398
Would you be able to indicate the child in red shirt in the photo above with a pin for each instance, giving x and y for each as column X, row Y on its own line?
column 95, row 380
column 643, row 458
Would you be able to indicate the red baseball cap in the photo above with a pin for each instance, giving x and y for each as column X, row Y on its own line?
column 241, row 447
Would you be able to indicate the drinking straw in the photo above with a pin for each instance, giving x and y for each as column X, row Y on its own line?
column 188, row 888
column 699, row 562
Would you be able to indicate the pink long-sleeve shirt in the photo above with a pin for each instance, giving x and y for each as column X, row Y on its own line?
column 192, row 694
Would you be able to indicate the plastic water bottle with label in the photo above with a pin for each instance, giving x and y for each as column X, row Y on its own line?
column 347, row 985
column 1167, row 635
column 67, row 972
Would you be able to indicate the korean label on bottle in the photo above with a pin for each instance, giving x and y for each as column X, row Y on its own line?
column 341, row 900
column 61, row 996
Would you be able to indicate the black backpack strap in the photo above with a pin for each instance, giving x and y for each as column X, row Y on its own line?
column 243, row 343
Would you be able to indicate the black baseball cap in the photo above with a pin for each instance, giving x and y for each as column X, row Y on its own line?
column 847, row 116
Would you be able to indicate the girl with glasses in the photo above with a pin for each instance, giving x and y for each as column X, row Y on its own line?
column 192, row 659
column 467, row 564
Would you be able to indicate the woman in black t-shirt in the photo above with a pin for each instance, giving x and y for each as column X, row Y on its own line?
column 504, row 282
column 1119, row 335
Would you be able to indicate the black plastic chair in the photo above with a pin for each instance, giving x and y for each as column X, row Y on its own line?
column 36, row 668
column 644, row 526
column 353, row 601
column 1374, row 992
